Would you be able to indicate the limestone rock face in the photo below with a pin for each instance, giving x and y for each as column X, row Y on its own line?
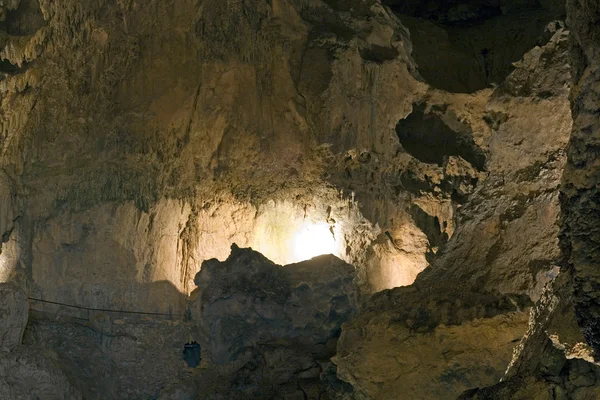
column 424, row 345
column 112, row 356
column 472, row 301
column 558, row 356
column 26, row 372
column 247, row 300
column 151, row 159
column 139, row 139
column 552, row 361
column 14, row 310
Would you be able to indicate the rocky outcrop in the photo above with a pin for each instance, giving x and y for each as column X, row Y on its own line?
column 472, row 301
column 552, row 361
column 419, row 345
column 558, row 357
column 13, row 310
column 271, row 330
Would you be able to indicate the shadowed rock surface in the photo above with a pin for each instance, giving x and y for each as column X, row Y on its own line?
column 27, row 372
column 13, row 310
column 273, row 328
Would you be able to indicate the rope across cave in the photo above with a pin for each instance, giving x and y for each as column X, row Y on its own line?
column 92, row 309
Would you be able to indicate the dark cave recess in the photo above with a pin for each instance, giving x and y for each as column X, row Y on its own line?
column 463, row 46
column 427, row 138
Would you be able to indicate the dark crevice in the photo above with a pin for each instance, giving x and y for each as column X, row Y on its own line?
column 379, row 54
column 8, row 68
column 430, row 225
column 468, row 45
column 25, row 20
column 427, row 138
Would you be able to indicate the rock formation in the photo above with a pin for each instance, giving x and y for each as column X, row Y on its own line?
column 444, row 150
column 272, row 328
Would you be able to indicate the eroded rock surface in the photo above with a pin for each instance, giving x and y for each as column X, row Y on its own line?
column 472, row 301
column 553, row 361
column 27, row 372
column 139, row 139
column 114, row 356
column 558, row 357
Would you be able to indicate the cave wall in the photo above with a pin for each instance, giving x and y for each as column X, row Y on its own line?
column 503, row 251
column 140, row 139
column 106, row 127
column 115, row 144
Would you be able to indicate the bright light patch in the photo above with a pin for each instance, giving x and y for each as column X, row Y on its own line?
column 313, row 240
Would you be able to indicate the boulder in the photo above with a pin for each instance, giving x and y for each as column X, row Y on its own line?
column 248, row 300
column 270, row 331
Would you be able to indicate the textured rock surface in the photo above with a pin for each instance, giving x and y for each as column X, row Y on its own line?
column 552, row 361
column 272, row 328
column 557, row 358
column 26, row 372
column 428, row 352
column 471, row 302
column 139, row 139
column 113, row 356
column 141, row 160
column 14, row 311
